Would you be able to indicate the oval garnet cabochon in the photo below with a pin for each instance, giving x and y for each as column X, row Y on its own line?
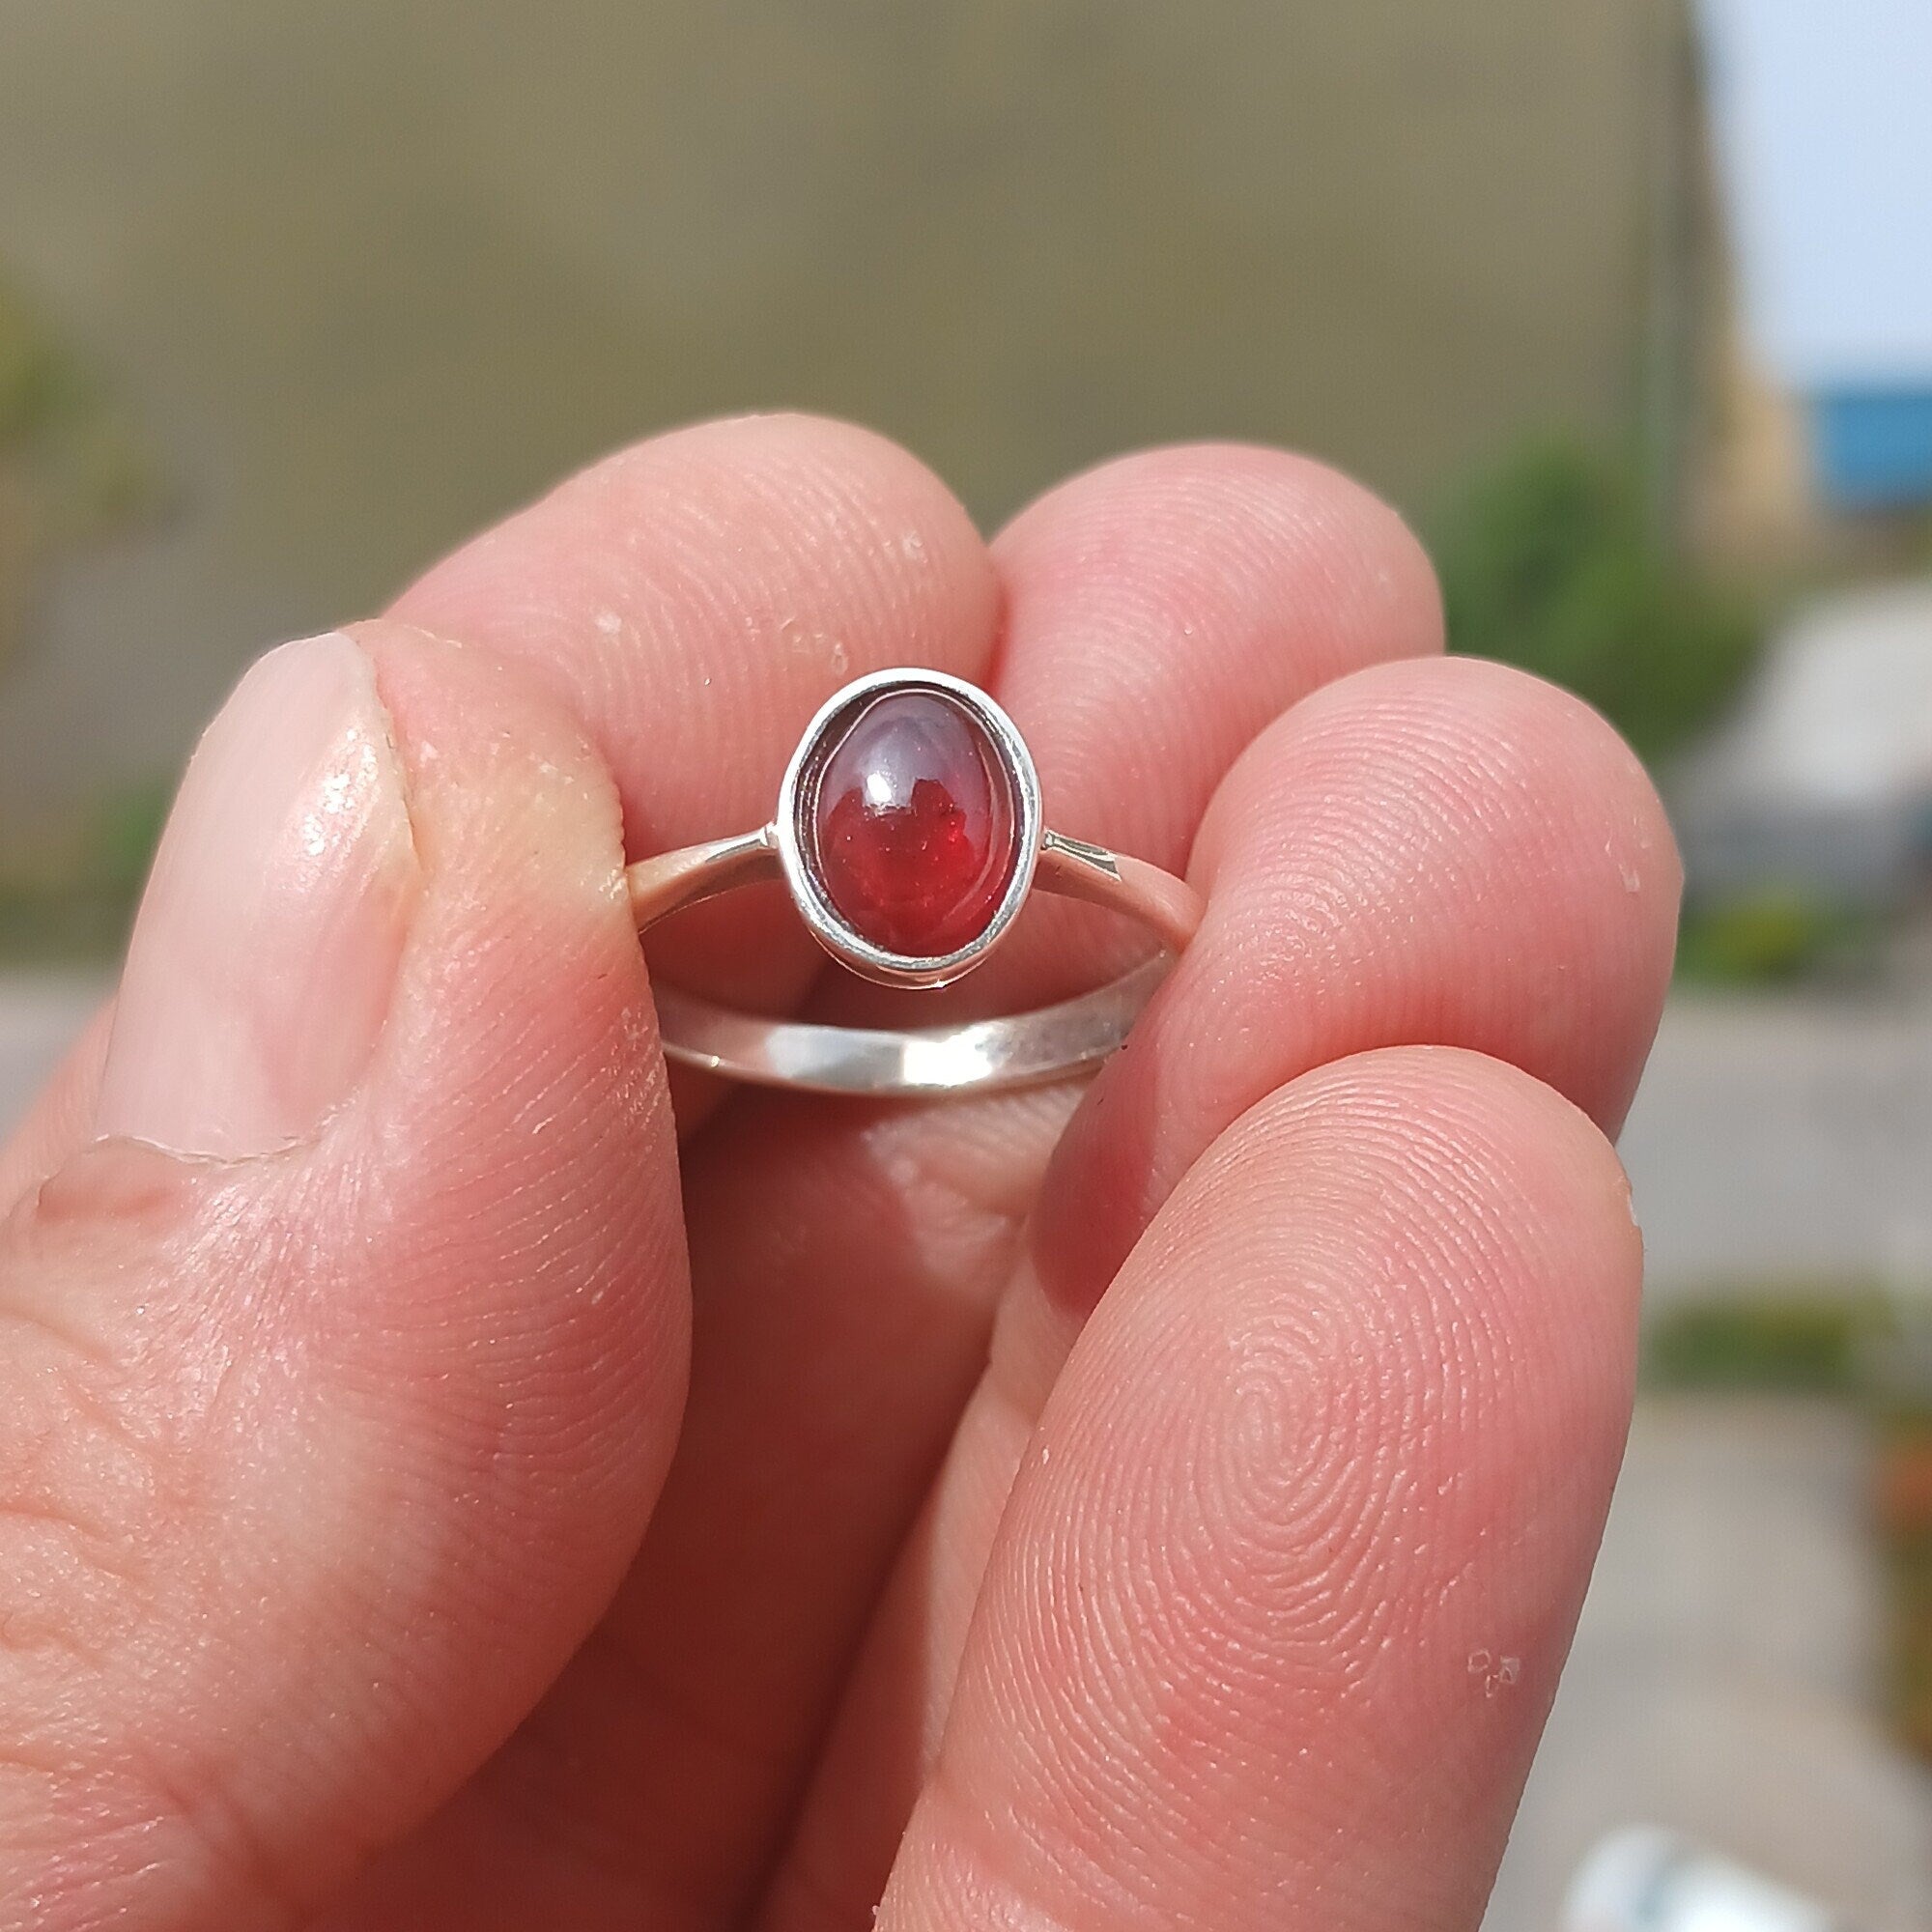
column 913, row 826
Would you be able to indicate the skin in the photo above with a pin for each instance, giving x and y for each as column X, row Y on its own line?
column 1162, row 1504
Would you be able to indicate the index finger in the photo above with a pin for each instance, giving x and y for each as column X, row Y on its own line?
column 694, row 599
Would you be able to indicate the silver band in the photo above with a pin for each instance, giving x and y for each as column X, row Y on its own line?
column 1019, row 1050
column 1015, row 1051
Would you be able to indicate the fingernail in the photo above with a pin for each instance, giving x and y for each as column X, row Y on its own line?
column 265, row 952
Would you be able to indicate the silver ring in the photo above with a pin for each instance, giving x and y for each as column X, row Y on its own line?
column 909, row 834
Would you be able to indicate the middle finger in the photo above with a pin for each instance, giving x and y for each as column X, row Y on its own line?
column 845, row 1258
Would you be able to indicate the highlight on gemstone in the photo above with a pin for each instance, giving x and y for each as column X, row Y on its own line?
column 911, row 823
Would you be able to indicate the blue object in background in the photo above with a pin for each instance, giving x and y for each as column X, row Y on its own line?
column 1823, row 146
column 1873, row 447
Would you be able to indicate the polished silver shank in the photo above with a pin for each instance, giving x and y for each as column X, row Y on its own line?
column 1019, row 1050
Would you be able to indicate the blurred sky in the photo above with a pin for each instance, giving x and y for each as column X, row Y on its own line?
column 1827, row 149
column 371, row 270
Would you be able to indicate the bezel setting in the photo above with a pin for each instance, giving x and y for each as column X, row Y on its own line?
column 798, row 802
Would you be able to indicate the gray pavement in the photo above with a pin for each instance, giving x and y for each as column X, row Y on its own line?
column 1722, row 1679
column 1781, row 1137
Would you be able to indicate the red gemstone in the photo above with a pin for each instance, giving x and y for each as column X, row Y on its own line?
column 914, row 825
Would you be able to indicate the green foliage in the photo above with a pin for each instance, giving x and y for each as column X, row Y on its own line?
column 70, row 471
column 71, row 467
column 117, row 844
column 80, row 465
column 70, row 894
column 1773, row 937
column 1792, row 1342
column 1547, row 563
column 63, row 928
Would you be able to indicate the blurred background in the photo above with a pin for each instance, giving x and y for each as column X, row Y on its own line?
column 1627, row 303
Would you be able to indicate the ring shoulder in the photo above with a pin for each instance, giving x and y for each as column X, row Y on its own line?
column 1074, row 857
column 668, row 882
column 1074, row 869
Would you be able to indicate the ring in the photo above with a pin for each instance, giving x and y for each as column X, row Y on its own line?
column 908, row 833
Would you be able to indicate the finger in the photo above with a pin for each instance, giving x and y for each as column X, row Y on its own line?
column 1281, row 1596
column 340, row 1378
column 845, row 1257
column 1431, row 851
column 693, row 599
column 1161, row 610
column 1447, row 853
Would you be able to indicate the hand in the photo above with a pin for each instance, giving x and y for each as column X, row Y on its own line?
column 444, row 1484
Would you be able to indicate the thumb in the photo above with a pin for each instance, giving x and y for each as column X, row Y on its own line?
column 340, row 1368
